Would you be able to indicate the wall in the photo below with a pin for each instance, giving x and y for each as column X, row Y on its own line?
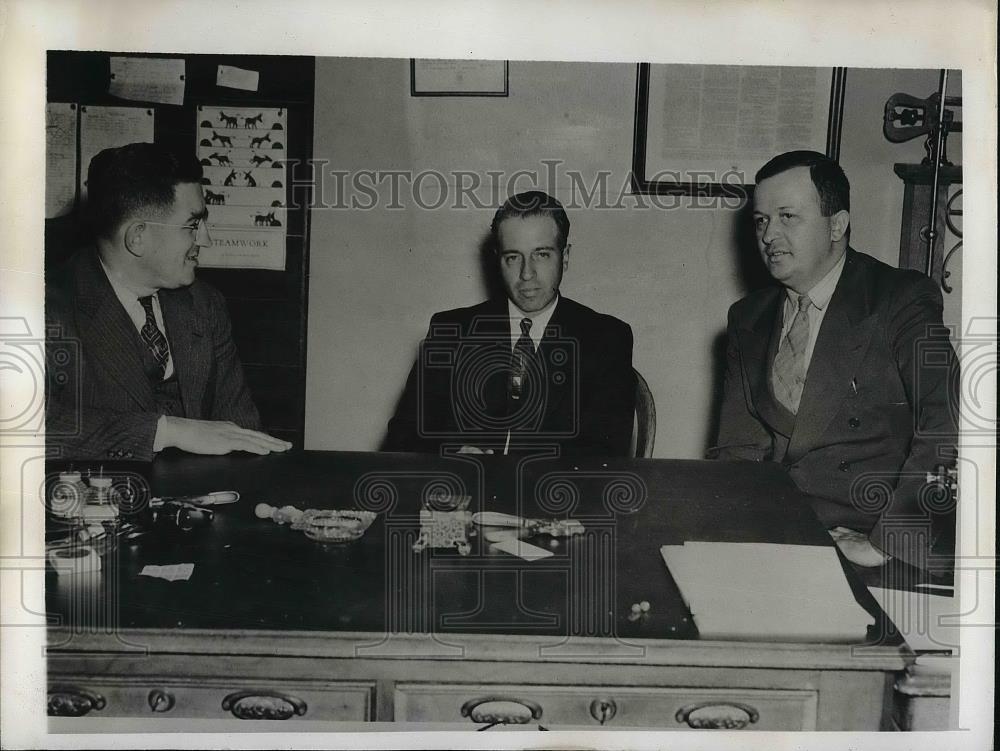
column 377, row 275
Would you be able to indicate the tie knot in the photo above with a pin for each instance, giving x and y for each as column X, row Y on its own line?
column 804, row 303
column 147, row 304
column 525, row 326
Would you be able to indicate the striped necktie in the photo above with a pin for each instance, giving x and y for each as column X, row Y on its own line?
column 524, row 352
column 152, row 336
column 789, row 371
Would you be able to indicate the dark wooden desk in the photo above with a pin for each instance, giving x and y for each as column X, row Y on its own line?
column 373, row 631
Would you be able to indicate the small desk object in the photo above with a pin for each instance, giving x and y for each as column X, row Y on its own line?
column 272, row 625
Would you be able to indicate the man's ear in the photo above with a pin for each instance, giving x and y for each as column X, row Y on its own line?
column 565, row 256
column 839, row 223
column 133, row 237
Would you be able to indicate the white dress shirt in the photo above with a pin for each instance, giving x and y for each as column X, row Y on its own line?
column 539, row 320
column 129, row 299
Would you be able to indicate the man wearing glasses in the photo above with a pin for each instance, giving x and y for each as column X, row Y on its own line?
column 141, row 356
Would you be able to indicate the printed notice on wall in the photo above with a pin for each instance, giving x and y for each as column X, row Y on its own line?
column 147, row 79
column 726, row 119
column 60, row 158
column 109, row 127
column 242, row 152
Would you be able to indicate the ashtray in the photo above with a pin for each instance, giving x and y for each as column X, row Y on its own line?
column 334, row 526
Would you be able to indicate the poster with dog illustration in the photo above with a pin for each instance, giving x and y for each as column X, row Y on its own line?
column 242, row 152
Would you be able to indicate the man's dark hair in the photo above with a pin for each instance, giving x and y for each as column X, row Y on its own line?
column 830, row 181
column 531, row 203
column 132, row 180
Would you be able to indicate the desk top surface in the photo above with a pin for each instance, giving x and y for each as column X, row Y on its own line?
column 254, row 574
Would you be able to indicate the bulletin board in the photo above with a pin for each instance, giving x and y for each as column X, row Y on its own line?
column 260, row 254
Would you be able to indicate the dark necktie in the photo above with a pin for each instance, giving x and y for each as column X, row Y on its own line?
column 790, row 362
column 524, row 352
column 153, row 337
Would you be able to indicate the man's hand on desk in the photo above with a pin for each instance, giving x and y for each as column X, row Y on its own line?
column 856, row 547
column 213, row 437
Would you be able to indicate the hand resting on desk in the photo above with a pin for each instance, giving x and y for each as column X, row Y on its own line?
column 213, row 437
column 856, row 547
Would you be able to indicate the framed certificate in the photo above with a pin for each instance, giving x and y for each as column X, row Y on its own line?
column 706, row 129
column 429, row 77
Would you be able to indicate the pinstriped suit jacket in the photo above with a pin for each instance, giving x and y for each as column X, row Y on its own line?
column 878, row 411
column 99, row 402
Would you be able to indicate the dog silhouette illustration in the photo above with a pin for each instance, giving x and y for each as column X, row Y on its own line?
column 251, row 122
column 220, row 158
column 259, row 160
column 215, row 199
column 255, row 142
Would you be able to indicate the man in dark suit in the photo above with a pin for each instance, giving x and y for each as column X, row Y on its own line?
column 141, row 356
column 843, row 373
column 525, row 372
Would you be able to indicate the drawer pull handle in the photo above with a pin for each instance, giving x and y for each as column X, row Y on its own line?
column 603, row 710
column 69, row 701
column 718, row 715
column 160, row 700
column 263, row 705
column 501, row 710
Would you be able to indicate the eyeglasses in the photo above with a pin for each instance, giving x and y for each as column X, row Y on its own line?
column 194, row 227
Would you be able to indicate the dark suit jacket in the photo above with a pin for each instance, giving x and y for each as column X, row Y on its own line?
column 457, row 390
column 99, row 401
column 878, row 411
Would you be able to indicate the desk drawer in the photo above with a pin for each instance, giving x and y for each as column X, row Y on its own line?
column 667, row 708
column 253, row 699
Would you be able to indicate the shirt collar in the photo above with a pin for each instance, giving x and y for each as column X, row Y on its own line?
column 823, row 290
column 124, row 290
column 539, row 319
column 126, row 294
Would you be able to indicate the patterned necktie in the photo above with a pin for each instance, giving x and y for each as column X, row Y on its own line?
column 789, row 372
column 153, row 337
column 521, row 358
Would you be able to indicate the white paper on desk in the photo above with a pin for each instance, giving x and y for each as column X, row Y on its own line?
column 522, row 549
column 147, row 79
column 173, row 572
column 766, row 591
column 926, row 621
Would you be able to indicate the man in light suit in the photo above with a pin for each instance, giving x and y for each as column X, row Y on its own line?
column 528, row 371
column 140, row 353
column 843, row 372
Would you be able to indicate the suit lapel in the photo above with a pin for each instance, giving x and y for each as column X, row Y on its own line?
column 109, row 336
column 188, row 346
column 840, row 346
